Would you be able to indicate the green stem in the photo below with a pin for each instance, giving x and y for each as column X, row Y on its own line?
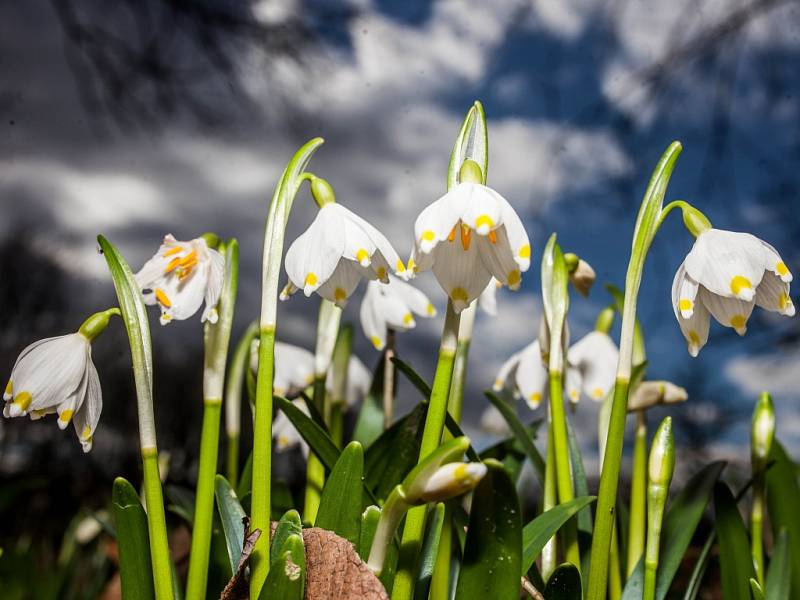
column 315, row 470
column 563, row 471
column 391, row 515
column 756, row 527
column 156, row 525
column 614, row 580
column 549, row 500
column 414, row 529
column 237, row 370
column 657, row 499
column 232, row 460
column 638, row 515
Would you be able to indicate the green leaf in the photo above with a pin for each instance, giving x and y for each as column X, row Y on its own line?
column 369, row 525
column 182, row 502
column 456, row 431
column 579, row 478
column 555, row 296
column 245, row 482
column 472, row 143
column 130, row 520
column 520, row 432
column 430, row 549
column 736, row 564
column 492, row 557
column 782, row 494
column 369, row 425
column 537, row 533
column 755, row 589
column 415, row 378
column 317, row 439
column 390, row 457
column 289, row 524
column 779, row 575
column 564, row 583
column 287, row 575
column 231, row 514
column 340, row 505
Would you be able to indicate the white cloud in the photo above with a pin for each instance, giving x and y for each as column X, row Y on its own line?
column 775, row 372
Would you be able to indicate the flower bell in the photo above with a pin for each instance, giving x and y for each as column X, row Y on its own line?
column 57, row 375
column 336, row 251
column 294, row 367
column 391, row 306
column 359, row 380
column 725, row 275
column 487, row 301
column 464, row 263
column 593, row 359
column 284, row 433
column 529, row 375
column 180, row 277
column 651, row 393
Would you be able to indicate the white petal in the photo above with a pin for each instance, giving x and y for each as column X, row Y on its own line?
column 86, row 419
column 419, row 262
column 773, row 294
column 492, row 421
column 460, row 272
column 727, row 263
column 312, row 257
column 531, row 376
column 730, row 312
column 153, row 270
column 294, row 367
column 437, row 220
column 216, row 277
column 498, row 258
column 695, row 329
column 775, row 263
column 596, row 356
column 488, row 298
column 417, row 302
column 507, row 370
column 285, row 434
column 483, row 209
column 573, row 382
column 372, row 324
column 359, row 380
column 342, row 282
column 517, row 236
column 185, row 296
column 684, row 293
column 383, row 246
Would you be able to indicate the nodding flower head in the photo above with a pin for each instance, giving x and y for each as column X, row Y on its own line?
column 294, row 367
column 526, row 375
column 725, row 275
column 467, row 236
column 593, row 361
column 392, row 306
column 180, row 277
column 335, row 252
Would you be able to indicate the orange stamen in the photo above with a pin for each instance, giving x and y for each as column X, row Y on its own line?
column 466, row 236
column 162, row 298
column 452, row 235
column 173, row 250
column 173, row 264
column 493, row 236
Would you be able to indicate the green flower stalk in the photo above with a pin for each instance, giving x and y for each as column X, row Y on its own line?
column 660, row 468
column 555, row 296
column 339, row 368
column 761, row 438
column 549, row 500
column 238, row 367
column 131, row 305
column 282, row 200
column 216, row 341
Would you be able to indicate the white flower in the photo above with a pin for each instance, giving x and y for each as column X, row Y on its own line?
column 725, row 274
column 593, row 361
column 530, row 379
column 488, row 298
column 284, row 432
column 56, row 375
column 651, row 393
column 493, row 422
column 180, row 277
column 463, row 265
column 359, row 380
column 391, row 306
column 335, row 252
column 452, row 479
column 294, row 368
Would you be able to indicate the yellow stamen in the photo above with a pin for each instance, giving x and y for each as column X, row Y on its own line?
column 459, row 293
column 376, row 341
column 311, row 279
column 452, row 235
column 23, row 400
column 739, row 283
column 484, row 220
column 190, row 258
column 738, row 321
column 598, row 393
column 514, row 277
column 525, row 251
column 492, row 236
column 400, row 267
column 173, row 250
column 685, row 304
column 339, row 294
column 428, row 235
column 362, row 255
column 574, row 394
column 86, row 434
column 782, row 269
column 162, row 298
column 66, row 416
column 173, row 264
column 408, row 319
column 466, row 236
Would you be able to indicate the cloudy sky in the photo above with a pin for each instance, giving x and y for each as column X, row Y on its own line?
column 151, row 117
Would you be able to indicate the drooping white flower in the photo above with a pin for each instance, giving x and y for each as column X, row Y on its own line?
column 526, row 375
column 284, row 433
column 464, row 264
column 56, row 375
column 726, row 274
column 359, row 380
column 593, row 361
column 391, row 306
column 335, row 252
column 294, row 367
column 180, row 277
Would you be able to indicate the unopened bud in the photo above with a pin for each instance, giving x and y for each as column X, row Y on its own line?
column 605, row 320
column 763, row 430
column 662, row 455
column 650, row 393
column 451, row 480
column 582, row 277
column 322, row 192
column 470, row 172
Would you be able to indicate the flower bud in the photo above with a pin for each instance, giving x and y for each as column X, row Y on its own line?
column 452, row 479
column 582, row 276
column 605, row 320
column 763, row 431
column 650, row 393
column 695, row 221
column 662, row 455
column 470, row 172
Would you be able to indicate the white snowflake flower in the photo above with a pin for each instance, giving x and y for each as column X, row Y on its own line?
column 526, row 375
column 294, row 367
column 180, row 277
column 391, row 306
column 592, row 366
column 725, row 275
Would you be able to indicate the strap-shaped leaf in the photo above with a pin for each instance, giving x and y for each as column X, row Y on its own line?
column 782, row 494
column 537, row 533
column 287, row 575
column 736, row 565
column 492, row 558
column 340, row 505
column 415, row 378
column 472, row 143
column 520, row 432
column 779, row 576
column 680, row 523
column 231, row 514
column 579, row 478
column 430, row 549
column 289, row 524
column 319, row 441
column 555, row 296
column 369, row 525
column 564, row 583
column 369, row 424
column 130, row 520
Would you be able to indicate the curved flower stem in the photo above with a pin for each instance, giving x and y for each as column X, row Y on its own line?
column 403, row 588
column 647, row 223
column 217, row 338
column 389, row 371
column 638, row 516
column 156, row 525
column 240, row 363
column 274, row 234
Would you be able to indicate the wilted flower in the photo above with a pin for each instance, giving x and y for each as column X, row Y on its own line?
column 582, row 275
column 335, row 252
column 392, row 306
column 180, row 277
column 56, row 375
column 593, row 359
column 725, row 274
column 463, row 265
column 651, row 393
